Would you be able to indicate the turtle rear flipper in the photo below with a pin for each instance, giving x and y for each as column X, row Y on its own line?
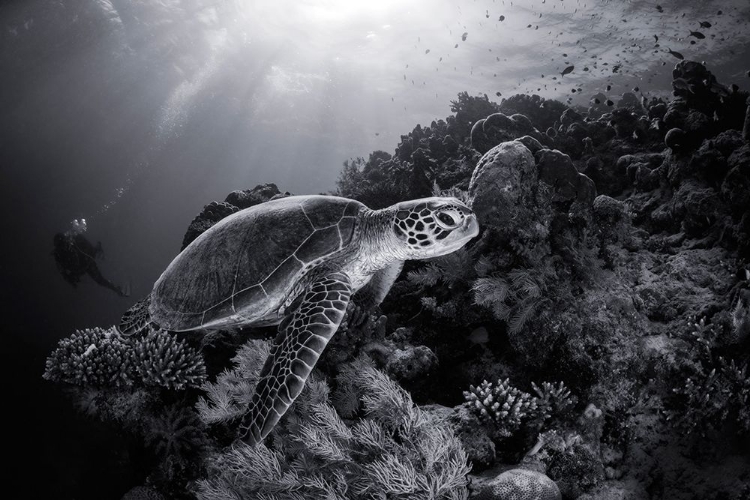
column 136, row 319
column 302, row 336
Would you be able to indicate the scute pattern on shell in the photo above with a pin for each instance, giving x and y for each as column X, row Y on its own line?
column 240, row 268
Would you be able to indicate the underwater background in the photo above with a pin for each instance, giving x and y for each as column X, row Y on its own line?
column 134, row 115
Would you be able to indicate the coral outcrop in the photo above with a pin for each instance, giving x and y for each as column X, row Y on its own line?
column 519, row 484
column 612, row 260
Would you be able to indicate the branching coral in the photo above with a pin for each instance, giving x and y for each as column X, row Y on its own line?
column 553, row 399
column 710, row 398
column 501, row 403
column 716, row 388
column 92, row 357
column 392, row 451
column 162, row 360
column 101, row 358
column 509, row 408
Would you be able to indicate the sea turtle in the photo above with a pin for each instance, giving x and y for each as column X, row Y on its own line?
column 295, row 262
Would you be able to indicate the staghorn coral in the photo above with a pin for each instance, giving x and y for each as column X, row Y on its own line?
column 97, row 357
column 393, row 450
column 519, row 484
column 501, row 403
column 93, row 357
column 710, row 398
column 162, row 360
column 553, row 399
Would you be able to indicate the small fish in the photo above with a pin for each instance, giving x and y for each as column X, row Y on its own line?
column 501, row 18
column 427, row 51
column 567, row 70
column 676, row 54
column 705, row 24
column 698, row 35
column 463, row 37
column 498, row 94
column 609, row 87
column 656, row 39
column 610, row 103
column 573, row 90
column 455, row 46
column 659, row 8
column 636, row 89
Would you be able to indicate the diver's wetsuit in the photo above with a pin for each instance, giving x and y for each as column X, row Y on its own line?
column 75, row 256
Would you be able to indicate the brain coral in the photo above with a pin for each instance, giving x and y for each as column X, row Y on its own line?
column 520, row 484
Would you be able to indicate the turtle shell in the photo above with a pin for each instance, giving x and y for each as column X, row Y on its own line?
column 241, row 270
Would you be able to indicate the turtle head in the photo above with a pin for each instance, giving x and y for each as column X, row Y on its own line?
column 430, row 227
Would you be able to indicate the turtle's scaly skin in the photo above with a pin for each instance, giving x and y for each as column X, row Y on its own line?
column 296, row 262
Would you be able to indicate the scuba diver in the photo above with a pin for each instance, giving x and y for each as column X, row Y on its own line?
column 76, row 256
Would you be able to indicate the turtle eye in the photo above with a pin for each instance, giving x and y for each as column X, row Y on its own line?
column 446, row 219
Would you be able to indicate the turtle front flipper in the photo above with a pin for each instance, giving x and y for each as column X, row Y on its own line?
column 303, row 334
column 136, row 319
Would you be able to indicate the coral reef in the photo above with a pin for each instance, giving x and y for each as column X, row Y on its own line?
column 507, row 406
column 393, row 450
column 102, row 358
column 161, row 360
column 91, row 357
column 612, row 260
column 519, row 484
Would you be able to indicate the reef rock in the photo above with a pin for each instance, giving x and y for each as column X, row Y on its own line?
column 250, row 197
column 557, row 170
column 503, row 178
column 411, row 363
column 699, row 206
column 676, row 139
column 519, row 484
column 477, row 444
column 210, row 215
column 609, row 177
column 736, row 186
column 696, row 85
